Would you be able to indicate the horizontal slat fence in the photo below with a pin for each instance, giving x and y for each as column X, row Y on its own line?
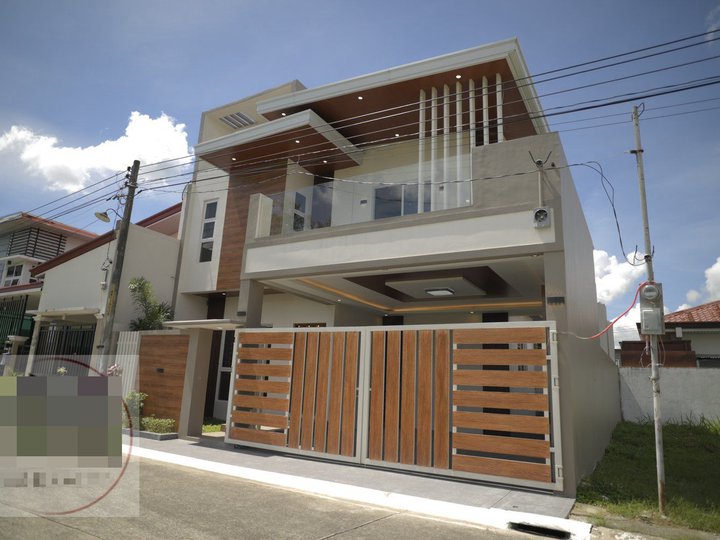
column 501, row 383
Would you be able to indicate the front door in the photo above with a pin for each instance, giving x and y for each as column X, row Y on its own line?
column 224, row 373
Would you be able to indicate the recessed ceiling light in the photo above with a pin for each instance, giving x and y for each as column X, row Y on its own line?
column 440, row 291
column 397, row 134
column 324, row 160
column 339, row 299
column 360, row 98
column 297, row 141
column 283, row 114
column 458, row 76
column 472, row 313
column 234, row 159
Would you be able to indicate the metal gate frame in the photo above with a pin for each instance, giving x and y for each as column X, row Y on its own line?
column 363, row 403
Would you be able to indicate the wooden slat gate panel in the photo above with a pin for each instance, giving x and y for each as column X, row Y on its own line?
column 296, row 390
column 475, row 401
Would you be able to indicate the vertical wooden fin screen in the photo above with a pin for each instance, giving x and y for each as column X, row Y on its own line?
column 297, row 390
column 501, row 423
column 409, row 397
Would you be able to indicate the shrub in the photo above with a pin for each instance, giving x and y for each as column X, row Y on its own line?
column 157, row 425
column 134, row 401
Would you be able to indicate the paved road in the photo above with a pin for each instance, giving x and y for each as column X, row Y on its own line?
column 177, row 502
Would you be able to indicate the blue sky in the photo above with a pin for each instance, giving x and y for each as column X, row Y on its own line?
column 75, row 71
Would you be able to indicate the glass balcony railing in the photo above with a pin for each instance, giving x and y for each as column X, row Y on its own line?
column 339, row 202
column 374, row 194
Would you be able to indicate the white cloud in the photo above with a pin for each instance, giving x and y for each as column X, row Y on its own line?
column 626, row 328
column 613, row 278
column 711, row 290
column 67, row 168
column 713, row 21
column 712, row 281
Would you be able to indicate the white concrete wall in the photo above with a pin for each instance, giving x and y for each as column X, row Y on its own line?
column 469, row 236
column 195, row 276
column 704, row 343
column 284, row 310
column 684, row 393
column 76, row 283
column 151, row 255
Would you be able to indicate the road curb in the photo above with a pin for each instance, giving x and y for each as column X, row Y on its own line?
column 487, row 517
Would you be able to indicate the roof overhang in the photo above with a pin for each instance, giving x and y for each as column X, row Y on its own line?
column 204, row 324
column 27, row 289
column 466, row 63
column 303, row 137
column 63, row 313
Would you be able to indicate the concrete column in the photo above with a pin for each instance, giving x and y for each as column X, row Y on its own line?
column 33, row 344
column 9, row 359
column 197, row 366
column 250, row 303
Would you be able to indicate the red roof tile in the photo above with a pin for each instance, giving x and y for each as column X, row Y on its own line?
column 706, row 313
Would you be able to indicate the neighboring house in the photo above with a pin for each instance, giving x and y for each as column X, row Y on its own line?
column 25, row 242
column 70, row 314
column 692, row 339
column 361, row 209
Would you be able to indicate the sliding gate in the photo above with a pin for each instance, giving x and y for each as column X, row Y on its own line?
column 474, row 401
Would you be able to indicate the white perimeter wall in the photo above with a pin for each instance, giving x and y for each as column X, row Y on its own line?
column 684, row 393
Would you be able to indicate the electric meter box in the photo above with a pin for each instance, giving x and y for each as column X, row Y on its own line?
column 652, row 316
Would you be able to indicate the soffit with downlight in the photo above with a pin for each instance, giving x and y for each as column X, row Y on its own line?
column 503, row 284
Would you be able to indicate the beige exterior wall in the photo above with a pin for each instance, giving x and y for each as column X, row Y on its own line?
column 285, row 310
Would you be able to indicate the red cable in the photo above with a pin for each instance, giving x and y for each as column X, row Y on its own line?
column 616, row 319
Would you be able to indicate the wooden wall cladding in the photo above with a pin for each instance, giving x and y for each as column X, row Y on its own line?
column 240, row 188
column 162, row 374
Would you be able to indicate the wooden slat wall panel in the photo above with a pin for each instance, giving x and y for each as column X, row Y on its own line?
column 264, row 370
column 258, row 385
column 255, row 418
column 308, row 407
column 349, row 426
column 441, row 442
column 392, row 397
column 259, row 419
column 274, row 438
column 407, row 395
column 266, row 338
column 517, row 379
column 424, row 398
column 503, row 400
column 502, row 445
column 297, row 386
column 500, row 357
column 165, row 388
column 480, row 336
column 501, row 467
column 499, row 444
column 245, row 353
column 261, row 402
column 377, row 395
column 336, row 393
column 323, row 377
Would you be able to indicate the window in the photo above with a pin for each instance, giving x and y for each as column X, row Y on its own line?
column 12, row 275
column 207, row 234
column 400, row 200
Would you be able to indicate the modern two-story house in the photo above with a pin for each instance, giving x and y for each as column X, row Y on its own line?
column 389, row 270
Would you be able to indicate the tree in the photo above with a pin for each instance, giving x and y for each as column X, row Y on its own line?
column 152, row 312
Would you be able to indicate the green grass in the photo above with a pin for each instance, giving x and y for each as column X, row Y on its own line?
column 625, row 481
column 212, row 425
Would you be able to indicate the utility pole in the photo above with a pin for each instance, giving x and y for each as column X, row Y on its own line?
column 654, row 369
column 113, row 288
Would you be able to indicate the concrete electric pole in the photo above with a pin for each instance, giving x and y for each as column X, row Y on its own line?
column 114, row 286
column 651, row 317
